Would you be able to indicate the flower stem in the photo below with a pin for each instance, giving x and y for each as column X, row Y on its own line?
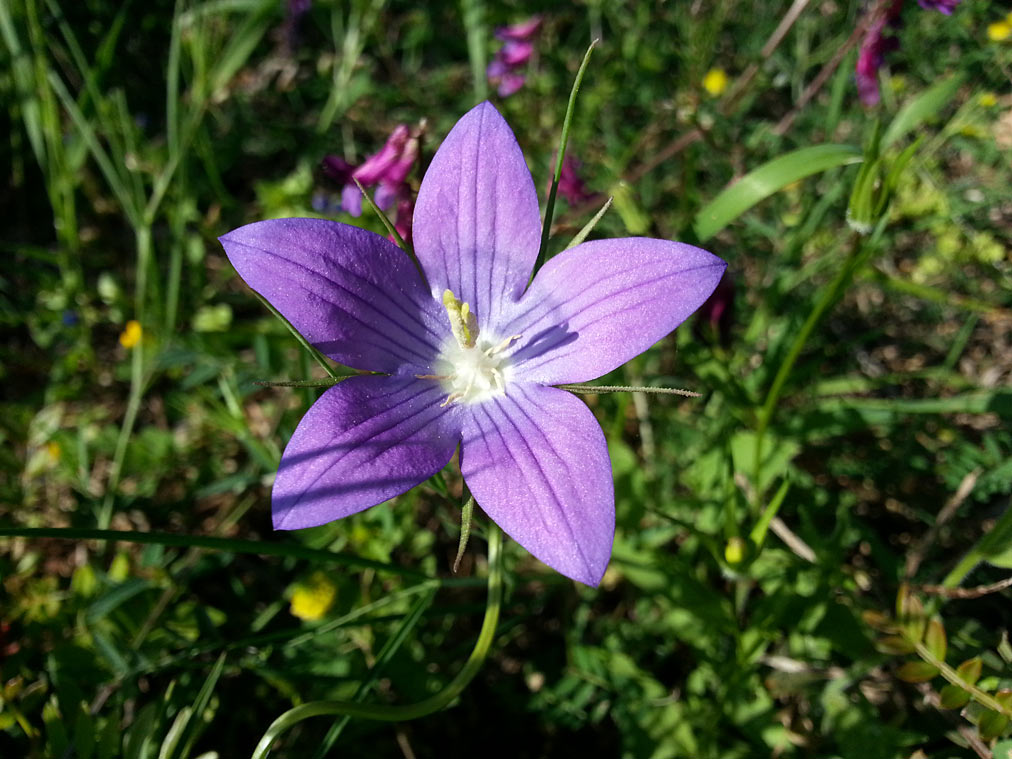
column 950, row 674
column 422, row 708
column 563, row 141
column 860, row 252
column 137, row 379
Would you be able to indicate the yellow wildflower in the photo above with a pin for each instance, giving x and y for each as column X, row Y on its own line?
column 313, row 598
column 999, row 30
column 54, row 450
column 988, row 99
column 715, row 81
column 131, row 334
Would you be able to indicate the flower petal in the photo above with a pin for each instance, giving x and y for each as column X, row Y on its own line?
column 476, row 226
column 364, row 441
column 353, row 294
column 536, row 461
column 593, row 307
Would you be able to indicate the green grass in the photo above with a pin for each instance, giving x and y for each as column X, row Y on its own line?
column 852, row 437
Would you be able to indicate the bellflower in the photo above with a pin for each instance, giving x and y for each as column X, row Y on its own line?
column 469, row 357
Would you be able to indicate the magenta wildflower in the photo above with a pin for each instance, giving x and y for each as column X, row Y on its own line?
column 877, row 43
column 522, row 32
column 386, row 170
column 942, row 6
column 469, row 358
column 503, row 72
column 571, row 185
column 874, row 46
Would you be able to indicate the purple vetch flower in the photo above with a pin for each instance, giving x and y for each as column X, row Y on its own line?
column 877, row 43
column 571, row 185
column 467, row 359
column 503, row 72
column 870, row 57
column 386, row 170
column 521, row 32
column 942, row 6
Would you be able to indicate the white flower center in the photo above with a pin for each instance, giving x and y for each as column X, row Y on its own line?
column 473, row 375
column 471, row 368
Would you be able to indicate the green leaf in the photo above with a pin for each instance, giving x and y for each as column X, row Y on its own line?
column 970, row 670
column 934, row 639
column 1002, row 750
column 991, row 724
column 953, row 697
column 140, row 734
column 996, row 546
column 921, row 108
column 894, row 644
column 759, row 184
column 917, row 672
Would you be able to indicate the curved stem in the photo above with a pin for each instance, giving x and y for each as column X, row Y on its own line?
column 427, row 706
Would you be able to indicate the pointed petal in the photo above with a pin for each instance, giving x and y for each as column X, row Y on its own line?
column 476, row 226
column 353, row 294
column 364, row 441
column 536, row 461
column 593, row 307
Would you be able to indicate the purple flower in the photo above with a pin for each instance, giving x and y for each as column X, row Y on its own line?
column 522, row 32
column 942, row 6
column 387, row 170
column 502, row 72
column 571, row 185
column 469, row 358
column 874, row 46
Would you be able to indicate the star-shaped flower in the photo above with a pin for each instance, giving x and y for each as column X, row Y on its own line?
column 468, row 358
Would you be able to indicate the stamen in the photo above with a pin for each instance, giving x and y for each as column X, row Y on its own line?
column 502, row 346
column 463, row 323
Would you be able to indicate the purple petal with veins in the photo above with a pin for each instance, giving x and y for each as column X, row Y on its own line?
column 364, row 441
column 537, row 462
column 477, row 226
column 593, row 307
column 351, row 293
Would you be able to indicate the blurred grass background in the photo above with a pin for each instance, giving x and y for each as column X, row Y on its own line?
column 853, row 434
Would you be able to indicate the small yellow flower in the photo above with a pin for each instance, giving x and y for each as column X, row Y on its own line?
column 131, row 334
column 988, row 99
column 715, row 81
column 999, row 30
column 54, row 450
column 735, row 551
column 312, row 598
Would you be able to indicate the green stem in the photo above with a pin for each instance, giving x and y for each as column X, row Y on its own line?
column 830, row 295
column 473, row 12
column 143, row 237
column 950, row 674
column 422, row 708
column 563, row 141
